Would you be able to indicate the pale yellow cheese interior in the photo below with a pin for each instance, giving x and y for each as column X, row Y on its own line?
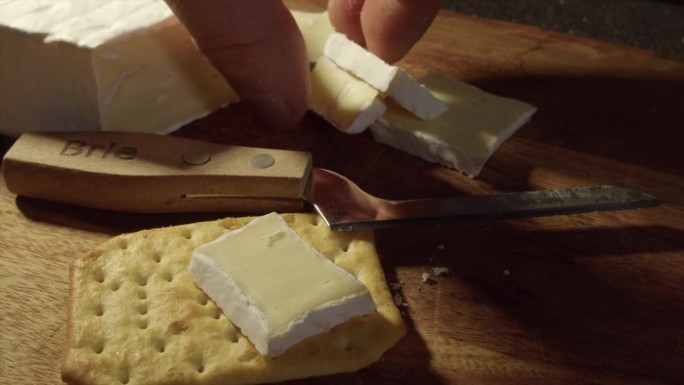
column 315, row 28
column 465, row 136
column 284, row 276
column 476, row 120
column 348, row 103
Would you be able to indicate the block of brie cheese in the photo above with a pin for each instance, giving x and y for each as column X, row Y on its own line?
column 275, row 286
column 343, row 100
column 101, row 64
column 392, row 80
column 464, row 137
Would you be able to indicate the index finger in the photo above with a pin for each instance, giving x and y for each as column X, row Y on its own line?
column 389, row 28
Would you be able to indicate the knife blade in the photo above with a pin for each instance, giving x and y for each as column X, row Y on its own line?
column 150, row 173
column 344, row 206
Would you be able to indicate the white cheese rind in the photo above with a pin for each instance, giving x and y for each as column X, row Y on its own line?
column 463, row 138
column 346, row 102
column 274, row 286
column 402, row 88
column 101, row 65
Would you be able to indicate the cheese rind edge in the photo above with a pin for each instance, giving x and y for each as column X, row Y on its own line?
column 249, row 298
column 386, row 78
column 466, row 136
column 124, row 66
column 346, row 102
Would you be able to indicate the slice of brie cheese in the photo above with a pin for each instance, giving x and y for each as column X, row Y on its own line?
column 392, row 80
column 101, row 64
column 463, row 138
column 346, row 102
column 275, row 286
column 315, row 28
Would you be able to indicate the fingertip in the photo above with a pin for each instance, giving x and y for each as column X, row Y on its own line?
column 274, row 113
column 345, row 16
column 392, row 27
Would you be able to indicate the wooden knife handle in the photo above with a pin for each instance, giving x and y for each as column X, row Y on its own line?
column 154, row 173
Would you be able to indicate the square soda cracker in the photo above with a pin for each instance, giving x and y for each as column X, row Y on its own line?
column 136, row 317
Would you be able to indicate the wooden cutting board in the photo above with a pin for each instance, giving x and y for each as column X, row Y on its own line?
column 595, row 298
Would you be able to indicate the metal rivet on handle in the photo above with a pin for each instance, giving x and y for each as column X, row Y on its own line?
column 262, row 161
column 196, row 157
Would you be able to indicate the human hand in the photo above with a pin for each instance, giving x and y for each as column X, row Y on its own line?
column 258, row 48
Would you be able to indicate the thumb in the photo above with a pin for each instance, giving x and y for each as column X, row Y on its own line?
column 258, row 48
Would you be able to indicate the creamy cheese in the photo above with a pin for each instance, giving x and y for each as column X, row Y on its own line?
column 276, row 287
column 315, row 28
column 101, row 64
column 346, row 102
column 464, row 137
column 394, row 81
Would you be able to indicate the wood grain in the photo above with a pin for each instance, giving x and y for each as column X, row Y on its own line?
column 595, row 298
column 108, row 170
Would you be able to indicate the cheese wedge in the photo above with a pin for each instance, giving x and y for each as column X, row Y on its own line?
column 346, row 102
column 315, row 28
column 101, row 64
column 463, row 138
column 274, row 286
column 402, row 88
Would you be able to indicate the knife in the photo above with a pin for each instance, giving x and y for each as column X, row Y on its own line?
column 149, row 173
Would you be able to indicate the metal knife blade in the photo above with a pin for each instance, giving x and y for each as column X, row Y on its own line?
column 344, row 206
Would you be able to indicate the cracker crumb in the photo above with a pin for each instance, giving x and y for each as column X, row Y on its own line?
column 425, row 277
column 440, row 271
column 440, row 247
column 506, row 273
column 399, row 300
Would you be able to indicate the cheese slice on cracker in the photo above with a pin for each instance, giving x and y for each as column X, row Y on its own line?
column 275, row 286
column 136, row 316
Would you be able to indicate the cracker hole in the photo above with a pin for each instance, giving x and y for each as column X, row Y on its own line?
column 177, row 327
column 233, row 336
column 143, row 323
column 229, row 226
column 203, row 299
column 123, row 244
column 98, row 310
column 141, row 280
column 98, row 346
column 216, row 313
column 167, row 276
column 142, row 308
column 156, row 256
column 247, row 356
column 186, row 233
column 346, row 345
column 114, row 286
column 142, row 294
column 199, row 365
column 98, row 276
column 345, row 245
column 124, row 376
column 159, row 345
